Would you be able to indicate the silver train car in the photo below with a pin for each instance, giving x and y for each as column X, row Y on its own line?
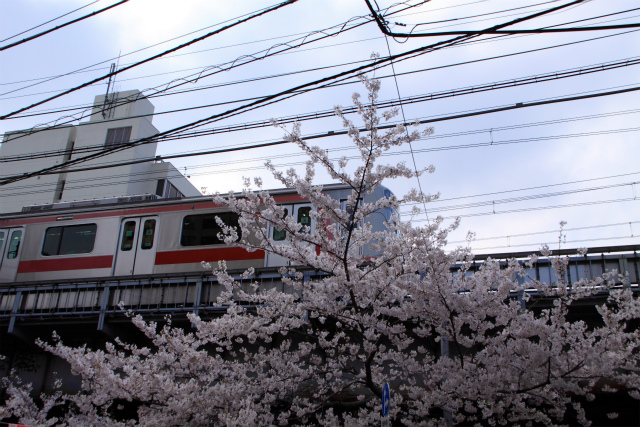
column 138, row 235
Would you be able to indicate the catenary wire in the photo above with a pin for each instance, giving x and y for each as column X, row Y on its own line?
column 591, row 239
column 535, row 233
column 538, row 208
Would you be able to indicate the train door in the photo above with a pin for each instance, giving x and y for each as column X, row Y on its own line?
column 302, row 214
column 278, row 238
column 136, row 253
column 10, row 249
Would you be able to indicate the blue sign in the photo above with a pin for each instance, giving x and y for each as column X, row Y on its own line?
column 385, row 399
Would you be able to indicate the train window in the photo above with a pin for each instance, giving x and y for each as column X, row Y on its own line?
column 280, row 235
column 148, row 232
column 304, row 217
column 14, row 244
column 70, row 239
column 203, row 229
column 1, row 242
column 128, row 234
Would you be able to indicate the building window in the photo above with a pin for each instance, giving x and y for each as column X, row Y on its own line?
column 203, row 229
column 118, row 136
column 69, row 240
column 160, row 188
column 166, row 189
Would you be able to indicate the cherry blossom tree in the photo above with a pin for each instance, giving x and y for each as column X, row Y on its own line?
column 464, row 347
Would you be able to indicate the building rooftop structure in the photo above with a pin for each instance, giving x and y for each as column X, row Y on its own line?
column 116, row 119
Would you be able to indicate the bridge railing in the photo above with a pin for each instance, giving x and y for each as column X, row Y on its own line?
column 93, row 300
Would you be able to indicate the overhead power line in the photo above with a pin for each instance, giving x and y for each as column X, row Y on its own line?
column 385, row 30
column 538, row 208
column 407, row 100
column 151, row 58
column 35, row 36
column 122, row 102
column 496, row 202
column 589, row 227
column 286, row 94
column 538, row 244
column 51, row 171
column 49, row 21
column 54, row 153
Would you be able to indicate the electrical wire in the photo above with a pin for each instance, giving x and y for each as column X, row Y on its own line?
column 309, row 137
column 384, row 104
column 535, row 209
column 49, row 21
column 31, row 187
column 82, row 18
column 404, row 73
column 591, row 239
column 290, row 92
column 9, row 179
column 151, row 58
column 536, row 233
column 493, row 203
column 385, row 30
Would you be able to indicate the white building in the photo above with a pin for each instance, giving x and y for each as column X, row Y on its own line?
column 111, row 123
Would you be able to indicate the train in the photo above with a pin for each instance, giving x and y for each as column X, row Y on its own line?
column 140, row 235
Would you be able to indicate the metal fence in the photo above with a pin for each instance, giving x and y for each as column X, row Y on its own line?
column 94, row 300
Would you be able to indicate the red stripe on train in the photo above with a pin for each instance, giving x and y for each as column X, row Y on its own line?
column 208, row 255
column 62, row 264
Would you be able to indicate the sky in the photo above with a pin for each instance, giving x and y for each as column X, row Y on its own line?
column 510, row 176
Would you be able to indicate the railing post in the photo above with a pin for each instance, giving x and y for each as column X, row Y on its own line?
column 197, row 298
column 103, row 306
column 14, row 311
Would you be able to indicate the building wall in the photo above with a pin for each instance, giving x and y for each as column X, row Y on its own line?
column 133, row 179
column 37, row 190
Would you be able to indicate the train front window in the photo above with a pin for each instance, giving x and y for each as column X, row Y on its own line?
column 14, row 244
column 69, row 240
column 148, row 232
column 203, row 229
column 128, row 235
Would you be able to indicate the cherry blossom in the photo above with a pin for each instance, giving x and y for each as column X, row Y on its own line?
column 490, row 346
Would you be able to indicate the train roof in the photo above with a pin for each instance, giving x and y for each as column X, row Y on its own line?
column 134, row 201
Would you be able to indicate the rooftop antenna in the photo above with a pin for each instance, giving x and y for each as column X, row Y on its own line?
column 108, row 103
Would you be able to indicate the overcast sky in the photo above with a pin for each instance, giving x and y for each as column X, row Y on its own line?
column 522, row 171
